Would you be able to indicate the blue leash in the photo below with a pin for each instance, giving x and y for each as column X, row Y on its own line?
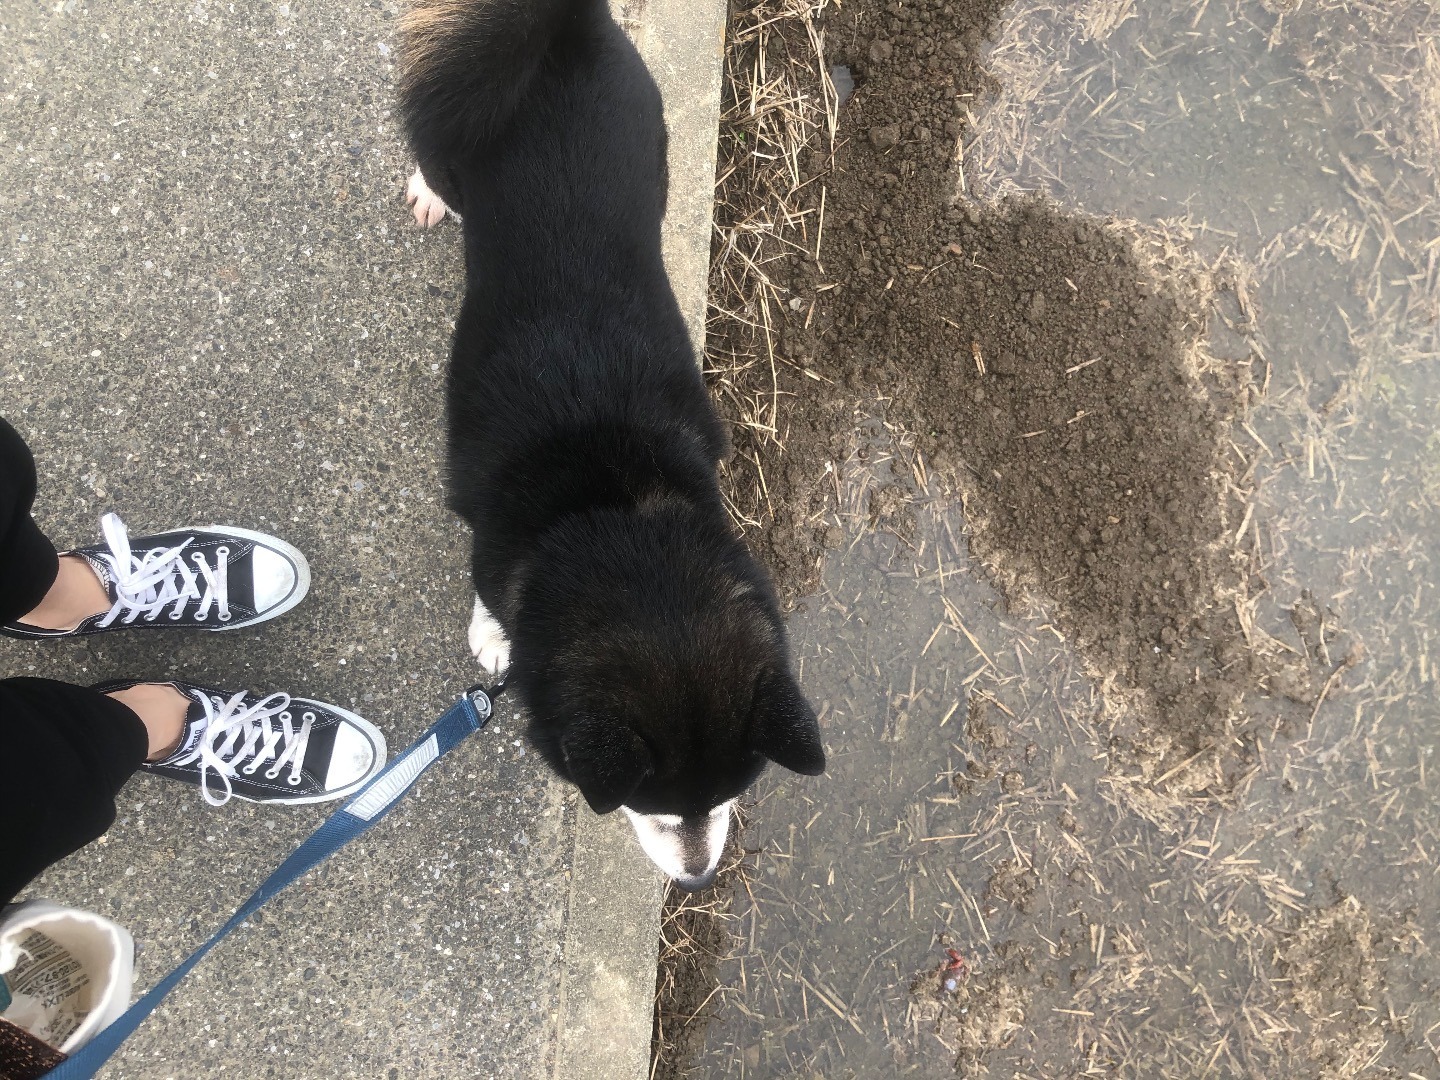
column 369, row 805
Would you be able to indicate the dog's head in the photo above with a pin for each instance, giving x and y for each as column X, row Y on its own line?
column 651, row 655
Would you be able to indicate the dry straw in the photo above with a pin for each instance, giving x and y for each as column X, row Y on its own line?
column 780, row 109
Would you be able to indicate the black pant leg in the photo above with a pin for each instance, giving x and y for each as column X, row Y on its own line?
column 28, row 563
column 67, row 752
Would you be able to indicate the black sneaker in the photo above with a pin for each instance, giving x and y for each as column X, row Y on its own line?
column 268, row 748
column 210, row 578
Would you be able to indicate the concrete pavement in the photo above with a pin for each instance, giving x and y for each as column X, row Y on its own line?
column 215, row 308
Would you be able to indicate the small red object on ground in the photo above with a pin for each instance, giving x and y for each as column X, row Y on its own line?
column 955, row 970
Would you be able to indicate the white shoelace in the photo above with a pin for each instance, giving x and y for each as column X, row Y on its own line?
column 235, row 732
column 145, row 584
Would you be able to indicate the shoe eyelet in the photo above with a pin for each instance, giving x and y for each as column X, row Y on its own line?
column 151, row 617
column 249, row 770
column 293, row 781
column 286, row 715
column 271, row 774
column 222, row 550
column 225, row 616
column 176, row 615
column 308, row 716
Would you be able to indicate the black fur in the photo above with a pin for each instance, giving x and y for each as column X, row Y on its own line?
column 645, row 641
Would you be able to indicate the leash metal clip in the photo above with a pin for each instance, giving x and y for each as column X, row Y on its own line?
column 483, row 698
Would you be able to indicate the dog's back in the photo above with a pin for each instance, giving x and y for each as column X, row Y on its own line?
column 647, row 644
column 540, row 124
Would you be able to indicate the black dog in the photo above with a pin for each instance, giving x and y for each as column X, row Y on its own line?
column 644, row 641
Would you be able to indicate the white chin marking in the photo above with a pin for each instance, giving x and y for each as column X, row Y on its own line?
column 429, row 209
column 686, row 849
column 487, row 641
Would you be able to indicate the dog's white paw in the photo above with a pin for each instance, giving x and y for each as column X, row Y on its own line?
column 487, row 641
column 429, row 209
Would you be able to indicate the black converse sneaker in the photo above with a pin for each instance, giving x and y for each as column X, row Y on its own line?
column 268, row 748
column 210, row 578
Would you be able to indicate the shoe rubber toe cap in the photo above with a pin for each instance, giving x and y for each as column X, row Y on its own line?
column 352, row 759
column 275, row 579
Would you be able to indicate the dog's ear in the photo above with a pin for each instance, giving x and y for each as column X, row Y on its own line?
column 606, row 760
column 784, row 728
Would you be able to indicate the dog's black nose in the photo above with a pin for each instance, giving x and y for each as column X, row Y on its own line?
column 696, row 882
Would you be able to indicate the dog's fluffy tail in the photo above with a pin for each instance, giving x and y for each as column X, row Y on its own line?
column 465, row 65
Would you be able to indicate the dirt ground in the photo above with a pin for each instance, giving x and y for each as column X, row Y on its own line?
column 1075, row 384
column 1046, row 367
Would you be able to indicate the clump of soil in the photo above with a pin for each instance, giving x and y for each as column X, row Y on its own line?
column 982, row 727
column 1047, row 372
column 1331, row 960
column 971, row 1011
column 1335, row 984
column 1012, row 885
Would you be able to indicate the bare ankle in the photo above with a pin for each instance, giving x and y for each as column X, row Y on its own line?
column 162, row 709
column 76, row 595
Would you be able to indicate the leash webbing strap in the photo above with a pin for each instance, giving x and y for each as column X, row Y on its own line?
column 365, row 808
